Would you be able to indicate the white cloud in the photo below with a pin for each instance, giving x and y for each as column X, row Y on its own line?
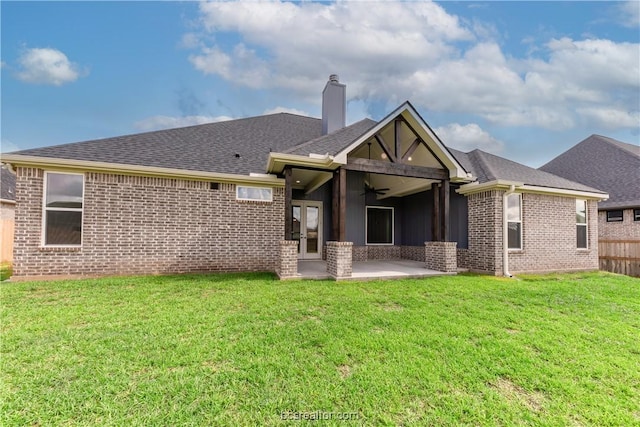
column 47, row 66
column 167, row 122
column 286, row 110
column 468, row 137
column 611, row 118
column 388, row 52
column 629, row 13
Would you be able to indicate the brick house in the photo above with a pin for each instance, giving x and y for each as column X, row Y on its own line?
column 261, row 193
column 612, row 166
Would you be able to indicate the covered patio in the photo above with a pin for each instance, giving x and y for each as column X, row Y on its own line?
column 369, row 270
column 380, row 202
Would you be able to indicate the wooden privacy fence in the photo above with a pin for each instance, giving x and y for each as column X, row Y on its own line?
column 6, row 240
column 620, row 256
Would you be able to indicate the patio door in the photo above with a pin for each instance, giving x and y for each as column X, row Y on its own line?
column 307, row 228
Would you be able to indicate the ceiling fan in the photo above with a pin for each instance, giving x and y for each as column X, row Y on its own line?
column 368, row 189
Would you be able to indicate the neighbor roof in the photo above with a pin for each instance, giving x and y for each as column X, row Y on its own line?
column 7, row 185
column 603, row 163
column 488, row 167
column 208, row 147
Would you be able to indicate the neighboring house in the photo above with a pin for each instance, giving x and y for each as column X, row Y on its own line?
column 7, row 213
column 262, row 192
column 614, row 167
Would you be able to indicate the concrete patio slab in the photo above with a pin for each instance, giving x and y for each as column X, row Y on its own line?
column 370, row 270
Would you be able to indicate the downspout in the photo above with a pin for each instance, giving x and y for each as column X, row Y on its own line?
column 505, row 232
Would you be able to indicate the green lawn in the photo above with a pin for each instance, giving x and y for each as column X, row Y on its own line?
column 251, row 350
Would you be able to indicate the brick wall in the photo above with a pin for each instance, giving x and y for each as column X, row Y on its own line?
column 628, row 229
column 287, row 267
column 140, row 225
column 549, row 236
column 388, row 252
column 548, row 239
column 485, row 232
column 340, row 259
column 462, row 258
column 441, row 256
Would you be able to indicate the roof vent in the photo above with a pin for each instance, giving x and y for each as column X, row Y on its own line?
column 333, row 78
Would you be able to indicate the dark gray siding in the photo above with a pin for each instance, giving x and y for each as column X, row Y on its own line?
column 416, row 217
column 412, row 213
column 459, row 219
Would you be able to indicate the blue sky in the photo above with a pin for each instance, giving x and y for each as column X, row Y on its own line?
column 524, row 80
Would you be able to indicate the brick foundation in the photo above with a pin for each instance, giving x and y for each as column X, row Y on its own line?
column 441, row 256
column 288, row 261
column 147, row 225
column 339, row 259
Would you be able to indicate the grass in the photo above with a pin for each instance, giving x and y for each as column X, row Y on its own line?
column 5, row 271
column 250, row 350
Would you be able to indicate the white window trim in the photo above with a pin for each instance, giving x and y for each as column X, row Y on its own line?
column 43, row 228
column 393, row 226
column 519, row 221
column 270, row 199
column 585, row 225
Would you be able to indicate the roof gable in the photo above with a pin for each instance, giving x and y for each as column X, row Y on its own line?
column 410, row 116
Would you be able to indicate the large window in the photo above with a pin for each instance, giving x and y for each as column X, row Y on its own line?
column 615, row 216
column 379, row 225
column 581, row 224
column 62, row 218
column 514, row 221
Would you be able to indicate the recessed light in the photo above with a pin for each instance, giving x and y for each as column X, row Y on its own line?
column 383, row 156
column 297, row 181
column 410, row 158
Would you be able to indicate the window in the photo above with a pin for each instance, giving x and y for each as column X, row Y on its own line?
column 636, row 214
column 581, row 224
column 379, row 225
column 62, row 218
column 262, row 194
column 614, row 216
column 514, row 221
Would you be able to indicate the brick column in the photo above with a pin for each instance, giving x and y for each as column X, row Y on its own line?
column 339, row 259
column 288, row 260
column 441, row 256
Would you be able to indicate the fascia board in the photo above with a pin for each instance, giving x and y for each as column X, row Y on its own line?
column 524, row 188
column 277, row 161
column 50, row 163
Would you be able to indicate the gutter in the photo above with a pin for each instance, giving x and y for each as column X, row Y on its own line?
column 505, row 232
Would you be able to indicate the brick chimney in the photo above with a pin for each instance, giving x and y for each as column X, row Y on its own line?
column 334, row 105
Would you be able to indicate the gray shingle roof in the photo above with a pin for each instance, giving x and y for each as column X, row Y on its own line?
column 334, row 142
column 7, row 185
column 209, row 147
column 604, row 163
column 488, row 167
